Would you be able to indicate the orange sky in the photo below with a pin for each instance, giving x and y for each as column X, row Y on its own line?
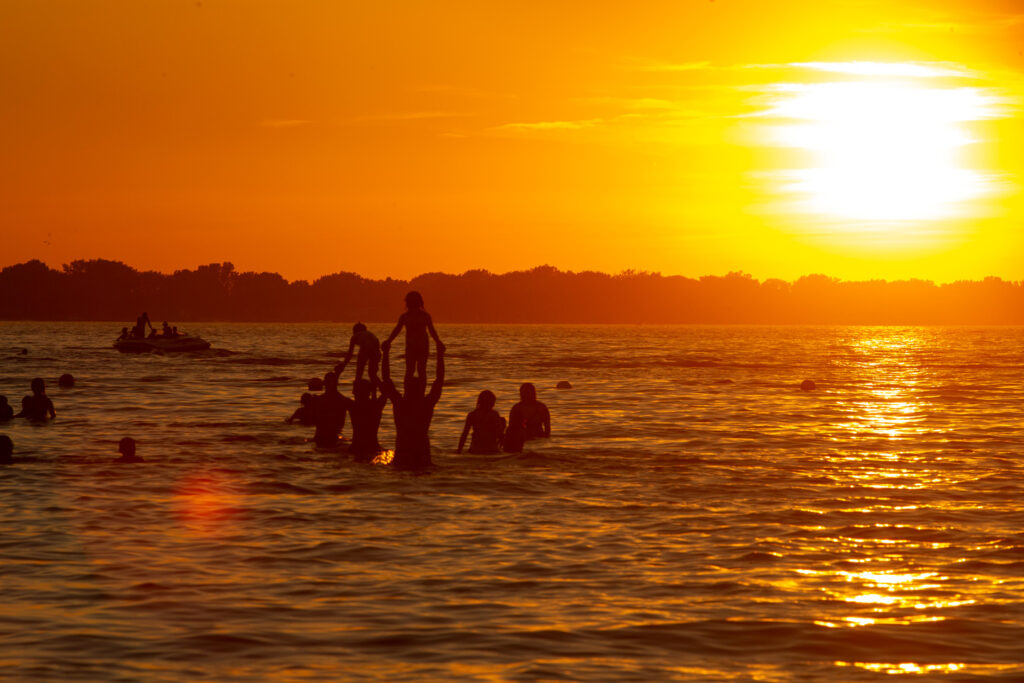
column 393, row 138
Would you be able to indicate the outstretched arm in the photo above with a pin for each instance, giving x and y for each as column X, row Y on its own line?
column 433, row 333
column 387, row 387
column 465, row 433
column 340, row 367
column 438, row 386
column 394, row 332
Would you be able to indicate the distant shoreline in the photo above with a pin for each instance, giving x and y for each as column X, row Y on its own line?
column 101, row 291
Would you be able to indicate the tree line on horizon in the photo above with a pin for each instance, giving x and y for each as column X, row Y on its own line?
column 100, row 289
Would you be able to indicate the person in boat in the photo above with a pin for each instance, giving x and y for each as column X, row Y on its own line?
column 487, row 425
column 124, row 334
column 166, row 331
column 369, row 354
column 6, row 450
column 126, row 447
column 6, row 411
column 304, row 413
column 329, row 410
column 528, row 419
column 413, row 410
column 417, row 324
column 366, row 411
column 38, row 405
column 174, row 331
column 139, row 332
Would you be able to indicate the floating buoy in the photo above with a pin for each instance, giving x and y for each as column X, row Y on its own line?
column 66, row 381
column 563, row 385
column 808, row 385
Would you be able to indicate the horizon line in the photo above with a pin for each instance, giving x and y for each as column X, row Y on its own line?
column 545, row 266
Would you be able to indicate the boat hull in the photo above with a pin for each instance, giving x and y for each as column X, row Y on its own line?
column 176, row 345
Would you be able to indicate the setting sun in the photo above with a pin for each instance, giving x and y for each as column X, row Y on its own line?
column 885, row 146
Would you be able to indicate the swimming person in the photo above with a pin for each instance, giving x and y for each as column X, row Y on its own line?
column 369, row 354
column 38, row 406
column 6, row 411
column 487, row 425
column 304, row 413
column 417, row 323
column 413, row 412
column 6, row 450
column 126, row 447
column 366, row 411
column 329, row 409
column 528, row 419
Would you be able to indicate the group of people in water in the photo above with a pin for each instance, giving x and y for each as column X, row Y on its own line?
column 139, row 331
column 413, row 406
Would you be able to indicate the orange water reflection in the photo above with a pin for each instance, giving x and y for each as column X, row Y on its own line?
column 886, row 526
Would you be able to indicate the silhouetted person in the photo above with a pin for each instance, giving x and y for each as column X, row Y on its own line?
column 417, row 324
column 329, row 409
column 165, row 330
column 487, row 425
column 174, row 331
column 304, row 414
column 126, row 447
column 6, row 450
column 38, row 406
column 6, row 411
column 366, row 411
column 413, row 412
column 528, row 419
column 369, row 354
column 124, row 334
column 140, row 326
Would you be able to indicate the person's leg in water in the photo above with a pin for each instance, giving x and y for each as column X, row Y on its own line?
column 360, row 365
column 421, row 365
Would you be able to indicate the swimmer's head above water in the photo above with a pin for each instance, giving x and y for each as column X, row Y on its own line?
column 362, row 389
column 528, row 392
column 486, row 400
column 414, row 387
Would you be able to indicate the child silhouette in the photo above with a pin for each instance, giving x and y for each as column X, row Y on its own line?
column 417, row 324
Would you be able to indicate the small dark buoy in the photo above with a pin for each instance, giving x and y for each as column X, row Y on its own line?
column 66, row 381
column 315, row 384
column 563, row 385
column 24, row 352
column 808, row 385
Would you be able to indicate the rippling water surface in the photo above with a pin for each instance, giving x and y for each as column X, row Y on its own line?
column 695, row 516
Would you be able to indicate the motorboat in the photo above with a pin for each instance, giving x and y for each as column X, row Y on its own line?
column 162, row 344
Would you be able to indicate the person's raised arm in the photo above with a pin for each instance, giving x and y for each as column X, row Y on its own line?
column 465, row 433
column 433, row 333
column 394, row 333
column 340, row 367
column 435, row 390
column 387, row 387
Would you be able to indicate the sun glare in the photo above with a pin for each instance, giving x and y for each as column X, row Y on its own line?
column 886, row 145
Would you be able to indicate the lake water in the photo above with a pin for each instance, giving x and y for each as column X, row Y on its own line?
column 695, row 515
